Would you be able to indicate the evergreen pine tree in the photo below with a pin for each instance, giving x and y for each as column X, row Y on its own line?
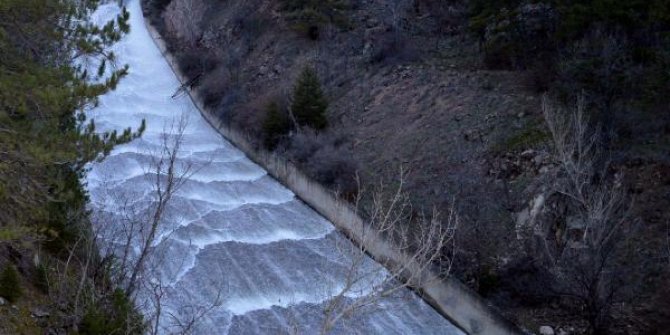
column 43, row 99
column 10, row 288
column 275, row 125
column 309, row 105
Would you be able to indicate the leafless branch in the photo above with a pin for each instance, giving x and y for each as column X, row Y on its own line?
column 168, row 178
column 182, row 19
column 424, row 241
column 597, row 211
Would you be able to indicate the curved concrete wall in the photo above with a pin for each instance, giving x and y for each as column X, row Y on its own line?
column 449, row 297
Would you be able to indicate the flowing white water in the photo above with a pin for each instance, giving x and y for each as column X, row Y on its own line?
column 231, row 231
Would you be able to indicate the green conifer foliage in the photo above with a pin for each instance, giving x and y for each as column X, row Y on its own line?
column 115, row 316
column 10, row 288
column 309, row 104
column 275, row 125
column 45, row 139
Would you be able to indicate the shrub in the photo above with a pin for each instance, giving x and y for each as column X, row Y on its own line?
column 214, row 85
column 114, row 315
column 42, row 278
column 488, row 282
column 195, row 62
column 392, row 49
column 309, row 105
column 334, row 166
column 516, row 38
column 304, row 144
column 307, row 16
column 275, row 125
column 658, row 315
column 325, row 158
column 65, row 215
column 183, row 20
column 517, row 34
column 159, row 5
column 10, row 288
column 153, row 9
column 528, row 136
column 527, row 281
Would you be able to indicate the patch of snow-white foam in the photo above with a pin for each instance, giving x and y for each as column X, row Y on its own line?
column 244, row 305
column 236, row 193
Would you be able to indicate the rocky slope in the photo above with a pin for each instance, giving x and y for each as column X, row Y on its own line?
column 408, row 91
column 401, row 93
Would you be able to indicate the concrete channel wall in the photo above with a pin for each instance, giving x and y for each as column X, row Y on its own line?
column 449, row 297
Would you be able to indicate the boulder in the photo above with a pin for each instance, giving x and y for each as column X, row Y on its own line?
column 39, row 313
column 546, row 330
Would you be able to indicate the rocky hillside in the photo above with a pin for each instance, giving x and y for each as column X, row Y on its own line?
column 401, row 93
column 53, row 277
column 424, row 87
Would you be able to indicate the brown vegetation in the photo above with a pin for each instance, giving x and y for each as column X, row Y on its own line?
column 449, row 90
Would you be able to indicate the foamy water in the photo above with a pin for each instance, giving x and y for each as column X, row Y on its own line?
column 231, row 231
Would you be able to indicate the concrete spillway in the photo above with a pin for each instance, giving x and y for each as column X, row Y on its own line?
column 235, row 247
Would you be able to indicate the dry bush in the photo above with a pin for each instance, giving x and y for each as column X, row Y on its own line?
column 248, row 116
column 659, row 309
column 214, row 85
column 451, row 16
column 590, row 251
column 423, row 245
column 196, row 62
column 324, row 157
column 485, row 241
column 182, row 20
column 390, row 50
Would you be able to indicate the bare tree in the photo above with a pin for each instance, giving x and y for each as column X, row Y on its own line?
column 136, row 242
column 168, row 178
column 169, row 174
column 594, row 215
column 80, row 282
column 421, row 244
column 186, row 317
column 72, row 286
column 193, row 314
column 182, row 20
